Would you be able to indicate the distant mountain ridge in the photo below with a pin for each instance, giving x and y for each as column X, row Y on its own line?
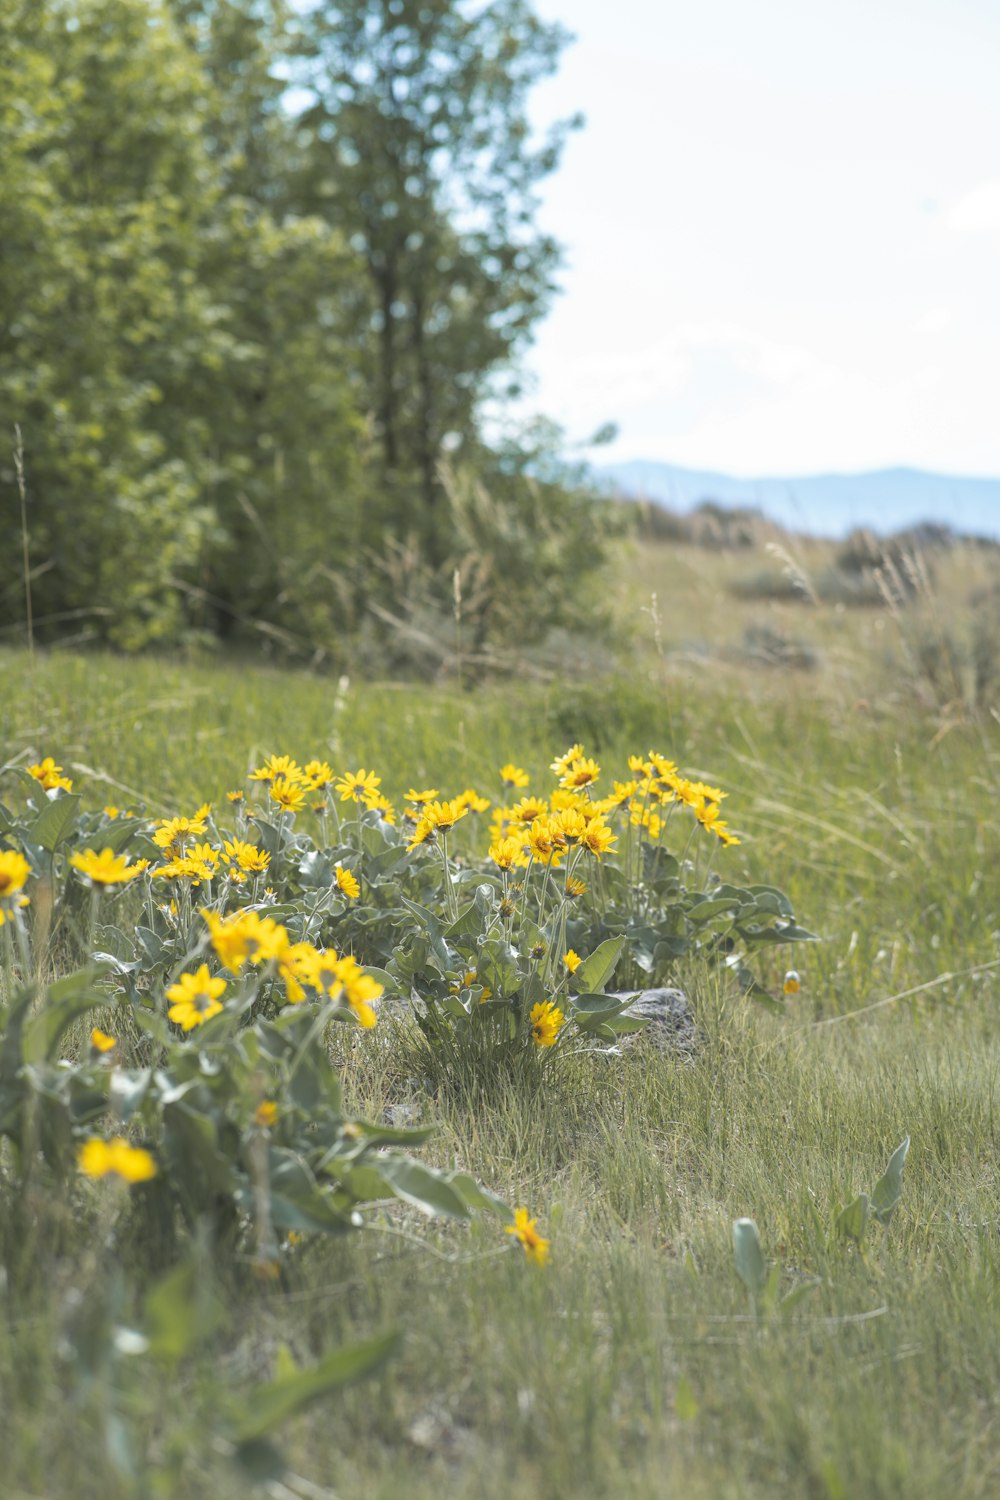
column 884, row 500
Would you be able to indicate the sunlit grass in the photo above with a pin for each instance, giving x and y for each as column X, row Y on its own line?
column 632, row 1364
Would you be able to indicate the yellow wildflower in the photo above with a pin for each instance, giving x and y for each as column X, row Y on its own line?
column 562, row 762
column 266, row 1113
column 444, row 815
column 14, row 871
column 195, row 998
column 471, row 799
column 523, row 1229
column 101, row 1042
column 420, row 797
column 171, row 833
column 425, row 829
column 572, row 960
column 246, row 857
column 545, row 841
column 571, row 823
column 97, row 1158
column 354, row 785
column 360, row 989
column 528, row 809
column 318, row 774
column 236, row 796
column 575, row 887
column 546, row 1021
column 792, row 983
column 597, row 837
column 512, row 775
column 275, row 767
column 105, row 868
column 580, row 773
column 379, row 802
column 346, row 882
column 50, row 775
column 504, row 852
column 289, row 795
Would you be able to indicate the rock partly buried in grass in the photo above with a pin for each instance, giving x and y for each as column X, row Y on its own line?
column 671, row 1025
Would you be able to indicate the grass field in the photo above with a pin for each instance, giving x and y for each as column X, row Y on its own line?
column 634, row 1363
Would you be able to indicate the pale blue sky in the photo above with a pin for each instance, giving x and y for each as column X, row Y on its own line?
column 782, row 224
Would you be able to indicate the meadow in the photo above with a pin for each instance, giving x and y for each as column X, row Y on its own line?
column 636, row 1360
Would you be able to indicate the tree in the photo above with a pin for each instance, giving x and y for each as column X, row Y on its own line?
column 418, row 145
column 170, row 350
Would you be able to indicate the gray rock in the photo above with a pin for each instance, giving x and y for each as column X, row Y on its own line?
column 671, row 1025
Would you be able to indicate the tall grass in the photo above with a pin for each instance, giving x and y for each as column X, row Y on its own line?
column 633, row 1364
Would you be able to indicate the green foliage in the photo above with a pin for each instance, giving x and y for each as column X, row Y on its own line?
column 235, row 340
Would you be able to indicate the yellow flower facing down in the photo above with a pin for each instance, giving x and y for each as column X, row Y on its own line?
column 572, row 960
column 115, row 1158
column 360, row 990
column 523, row 1229
column 504, row 853
column 514, row 776
column 575, row 888
column 195, row 999
column 346, row 882
column 423, row 830
column 546, row 1021
column 571, row 824
column 50, row 776
column 105, row 868
column 101, row 1042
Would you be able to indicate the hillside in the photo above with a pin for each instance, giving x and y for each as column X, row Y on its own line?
column 823, row 504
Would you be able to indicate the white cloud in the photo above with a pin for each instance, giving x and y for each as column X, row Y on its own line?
column 978, row 212
column 934, row 320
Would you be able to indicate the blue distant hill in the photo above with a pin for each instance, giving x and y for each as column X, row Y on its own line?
column 823, row 504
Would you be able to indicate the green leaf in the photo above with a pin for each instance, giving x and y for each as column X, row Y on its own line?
column 595, row 971
column 426, row 1189
column 791, row 1300
column 713, row 907
column 852, row 1221
column 889, row 1188
column 264, row 1409
column 56, row 820
column 751, row 1267
column 476, row 1196
column 180, row 1310
column 44, row 1031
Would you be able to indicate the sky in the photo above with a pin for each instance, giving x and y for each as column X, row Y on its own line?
column 782, row 233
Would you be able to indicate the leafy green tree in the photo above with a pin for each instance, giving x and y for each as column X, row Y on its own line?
column 418, row 145
column 102, row 189
column 170, row 351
